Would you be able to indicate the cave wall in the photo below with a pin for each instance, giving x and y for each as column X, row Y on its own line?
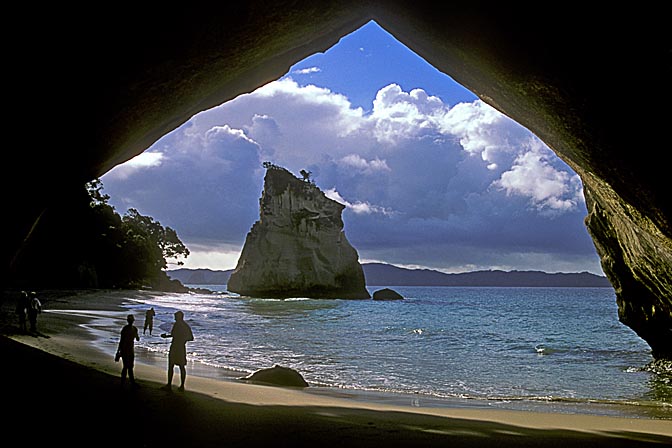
column 95, row 88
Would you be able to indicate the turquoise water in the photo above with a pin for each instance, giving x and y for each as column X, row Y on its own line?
column 500, row 347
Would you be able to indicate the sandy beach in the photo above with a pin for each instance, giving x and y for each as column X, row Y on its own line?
column 61, row 388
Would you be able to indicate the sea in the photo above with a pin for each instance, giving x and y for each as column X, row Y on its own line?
column 539, row 349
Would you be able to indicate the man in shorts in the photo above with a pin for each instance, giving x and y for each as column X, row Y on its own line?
column 177, row 356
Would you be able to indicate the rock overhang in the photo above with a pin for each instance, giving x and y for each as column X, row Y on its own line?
column 560, row 75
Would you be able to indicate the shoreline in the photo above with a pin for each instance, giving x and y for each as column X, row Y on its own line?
column 70, row 336
column 608, row 407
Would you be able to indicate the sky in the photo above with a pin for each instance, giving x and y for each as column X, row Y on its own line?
column 431, row 176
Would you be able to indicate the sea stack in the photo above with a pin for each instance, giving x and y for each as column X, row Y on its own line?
column 298, row 247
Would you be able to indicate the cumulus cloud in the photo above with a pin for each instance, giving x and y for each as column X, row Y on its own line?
column 483, row 131
column 294, row 125
column 547, row 188
column 229, row 148
column 423, row 180
column 148, row 159
column 201, row 187
column 402, row 115
column 313, row 99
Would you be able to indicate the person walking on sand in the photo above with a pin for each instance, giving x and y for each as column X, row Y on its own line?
column 149, row 321
column 177, row 355
column 126, row 350
column 34, row 308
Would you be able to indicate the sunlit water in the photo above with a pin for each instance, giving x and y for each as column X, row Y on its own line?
column 516, row 348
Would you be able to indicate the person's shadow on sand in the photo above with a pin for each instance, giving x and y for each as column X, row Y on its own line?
column 12, row 331
column 37, row 334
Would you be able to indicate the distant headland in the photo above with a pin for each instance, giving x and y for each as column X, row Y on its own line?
column 381, row 274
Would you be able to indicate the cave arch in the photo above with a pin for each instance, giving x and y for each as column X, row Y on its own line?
column 129, row 79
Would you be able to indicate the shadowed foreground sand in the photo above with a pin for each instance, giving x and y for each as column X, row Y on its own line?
column 51, row 399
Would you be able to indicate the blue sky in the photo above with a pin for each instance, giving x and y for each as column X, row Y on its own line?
column 430, row 175
column 369, row 59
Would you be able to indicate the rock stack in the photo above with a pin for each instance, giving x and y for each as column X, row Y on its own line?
column 297, row 248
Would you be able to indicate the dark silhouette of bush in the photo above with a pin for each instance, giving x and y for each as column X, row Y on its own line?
column 82, row 242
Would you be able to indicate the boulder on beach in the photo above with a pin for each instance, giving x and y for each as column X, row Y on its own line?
column 277, row 376
column 387, row 294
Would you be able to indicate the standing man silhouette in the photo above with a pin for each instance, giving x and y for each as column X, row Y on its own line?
column 149, row 321
column 34, row 308
column 126, row 350
column 181, row 334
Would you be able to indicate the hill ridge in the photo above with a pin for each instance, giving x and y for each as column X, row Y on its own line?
column 382, row 274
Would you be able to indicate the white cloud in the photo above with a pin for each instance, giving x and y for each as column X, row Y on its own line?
column 402, row 115
column 358, row 207
column 295, row 124
column 218, row 136
column 362, row 165
column 148, row 159
column 225, row 133
column 219, row 140
column 335, row 196
column 547, row 187
column 484, row 131
column 287, row 88
column 307, row 71
column 366, row 208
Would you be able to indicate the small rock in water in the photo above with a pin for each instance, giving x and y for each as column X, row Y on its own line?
column 387, row 294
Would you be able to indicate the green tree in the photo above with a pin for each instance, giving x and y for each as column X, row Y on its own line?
column 150, row 238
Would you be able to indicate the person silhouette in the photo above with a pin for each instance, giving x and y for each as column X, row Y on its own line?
column 34, row 308
column 21, row 310
column 149, row 321
column 126, row 350
column 177, row 355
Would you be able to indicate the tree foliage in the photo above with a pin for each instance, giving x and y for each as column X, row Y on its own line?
column 86, row 243
column 149, row 242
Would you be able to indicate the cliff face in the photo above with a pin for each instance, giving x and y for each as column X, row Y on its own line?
column 298, row 247
column 637, row 258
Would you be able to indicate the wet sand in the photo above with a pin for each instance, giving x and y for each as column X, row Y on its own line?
column 69, row 388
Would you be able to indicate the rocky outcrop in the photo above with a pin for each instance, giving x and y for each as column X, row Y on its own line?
column 637, row 258
column 298, row 247
column 387, row 294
